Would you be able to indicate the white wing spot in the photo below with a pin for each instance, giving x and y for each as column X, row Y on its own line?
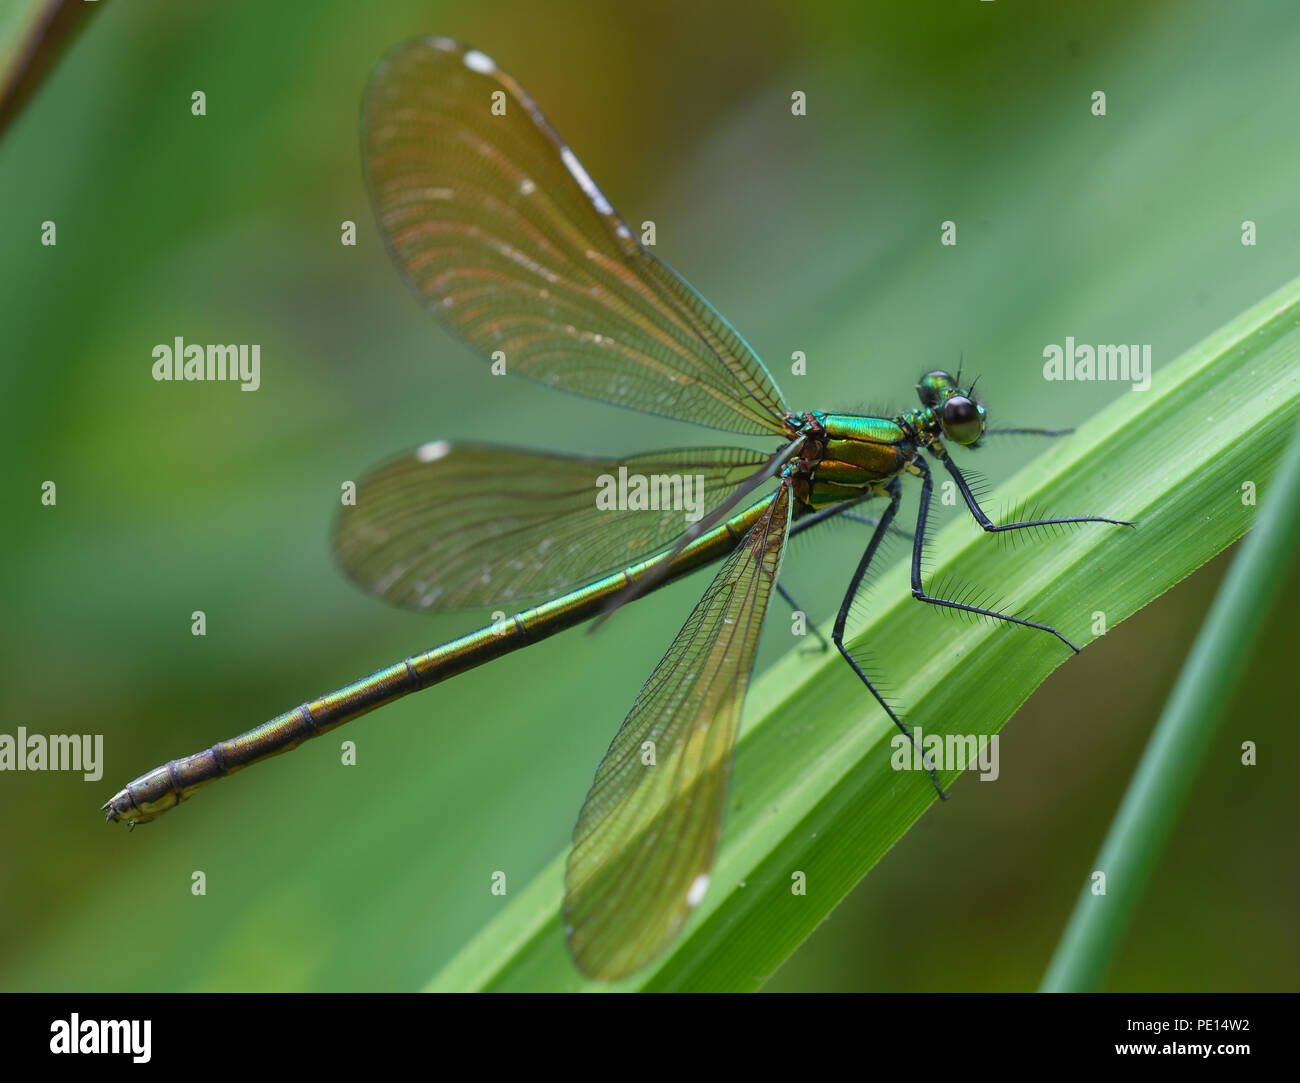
column 698, row 888
column 527, row 187
column 433, row 451
column 479, row 62
column 585, row 182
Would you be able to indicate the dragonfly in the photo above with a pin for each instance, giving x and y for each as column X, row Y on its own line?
column 511, row 246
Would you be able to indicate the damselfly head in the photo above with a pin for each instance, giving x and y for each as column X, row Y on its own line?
column 961, row 417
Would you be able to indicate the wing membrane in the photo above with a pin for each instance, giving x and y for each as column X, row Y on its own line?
column 645, row 839
column 455, row 525
column 510, row 245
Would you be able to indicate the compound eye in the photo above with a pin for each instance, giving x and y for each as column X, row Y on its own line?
column 962, row 420
column 933, row 386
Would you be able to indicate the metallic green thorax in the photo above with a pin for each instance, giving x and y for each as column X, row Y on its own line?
column 847, row 455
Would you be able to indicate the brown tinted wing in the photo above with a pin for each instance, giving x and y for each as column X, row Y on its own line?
column 644, row 844
column 510, row 245
column 450, row 526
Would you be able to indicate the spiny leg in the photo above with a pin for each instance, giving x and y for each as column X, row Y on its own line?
column 832, row 511
column 835, row 511
column 809, row 521
column 1028, row 432
column 987, row 523
column 837, row 635
column 843, row 511
column 920, row 466
column 875, row 523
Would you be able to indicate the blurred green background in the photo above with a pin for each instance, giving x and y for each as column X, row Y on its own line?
column 817, row 234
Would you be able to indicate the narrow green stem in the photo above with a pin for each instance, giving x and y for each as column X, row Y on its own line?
column 1173, row 755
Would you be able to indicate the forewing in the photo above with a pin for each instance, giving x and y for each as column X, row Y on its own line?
column 450, row 526
column 511, row 245
column 645, row 840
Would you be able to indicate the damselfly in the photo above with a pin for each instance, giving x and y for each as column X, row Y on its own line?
column 511, row 246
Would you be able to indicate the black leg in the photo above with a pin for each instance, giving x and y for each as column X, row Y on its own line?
column 918, row 542
column 812, row 520
column 821, row 639
column 987, row 523
column 876, row 522
column 842, row 511
column 837, row 635
column 1028, row 432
